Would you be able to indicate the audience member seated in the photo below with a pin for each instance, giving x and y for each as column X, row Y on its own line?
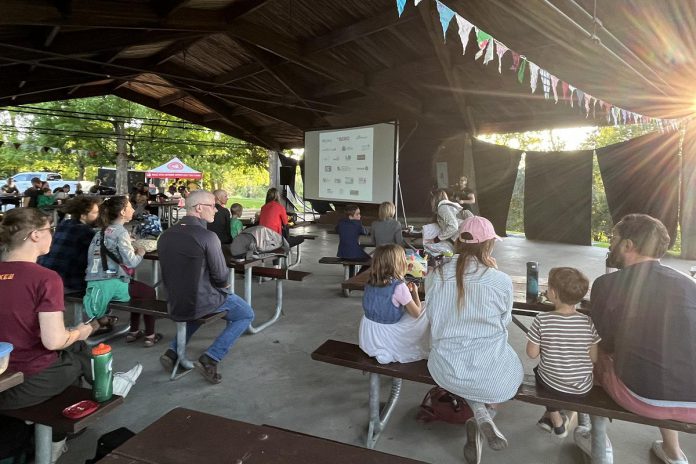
column 257, row 239
column 394, row 327
column 111, row 261
column 236, row 225
column 195, row 275
column 221, row 222
column 470, row 307
column 68, row 253
column 274, row 216
column 51, row 357
column 567, row 342
column 387, row 229
column 31, row 194
column 46, row 198
column 646, row 315
column 349, row 230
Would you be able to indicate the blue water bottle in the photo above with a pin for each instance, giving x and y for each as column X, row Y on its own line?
column 532, row 282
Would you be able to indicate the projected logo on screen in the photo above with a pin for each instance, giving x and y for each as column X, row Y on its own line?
column 355, row 147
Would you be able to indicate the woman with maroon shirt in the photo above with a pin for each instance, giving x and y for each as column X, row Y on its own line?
column 32, row 316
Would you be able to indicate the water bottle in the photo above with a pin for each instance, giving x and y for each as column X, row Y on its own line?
column 532, row 282
column 102, row 373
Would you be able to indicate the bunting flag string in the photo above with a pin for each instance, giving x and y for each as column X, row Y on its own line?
column 489, row 47
column 26, row 147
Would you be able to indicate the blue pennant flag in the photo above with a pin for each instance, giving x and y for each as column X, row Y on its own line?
column 446, row 16
column 400, row 5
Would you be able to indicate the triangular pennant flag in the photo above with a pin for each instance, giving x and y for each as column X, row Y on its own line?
column 17, row 145
column 545, row 82
column 417, row 2
column 587, row 98
column 515, row 61
column 55, row 150
column 533, row 76
column 45, row 149
column 594, row 108
column 500, row 50
column 566, row 88
column 580, row 95
column 400, row 5
column 482, row 40
column 608, row 112
column 571, row 89
column 446, row 15
column 520, row 70
column 490, row 52
column 554, row 86
column 464, row 31
column 623, row 116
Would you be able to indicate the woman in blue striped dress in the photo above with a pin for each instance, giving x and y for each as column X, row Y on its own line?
column 470, row 307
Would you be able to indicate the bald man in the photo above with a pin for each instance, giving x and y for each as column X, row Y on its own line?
column 221, row 222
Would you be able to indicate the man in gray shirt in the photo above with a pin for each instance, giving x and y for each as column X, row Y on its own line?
column 195, row 275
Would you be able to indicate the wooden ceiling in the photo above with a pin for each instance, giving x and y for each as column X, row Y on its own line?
column 267, row 70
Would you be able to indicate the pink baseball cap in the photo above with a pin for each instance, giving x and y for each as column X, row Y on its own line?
column 480, row 229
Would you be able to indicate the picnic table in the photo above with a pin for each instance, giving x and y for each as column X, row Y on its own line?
column 10, row 199
column 185, row 436
column 164, row 210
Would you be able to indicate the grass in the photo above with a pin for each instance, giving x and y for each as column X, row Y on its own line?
column 247, row 203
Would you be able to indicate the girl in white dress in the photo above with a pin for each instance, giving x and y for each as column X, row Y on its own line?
column 394, row 327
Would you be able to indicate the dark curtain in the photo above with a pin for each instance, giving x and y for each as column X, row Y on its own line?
column 496, row 172
column 558, row 196
column 287, row 161
column 641, row 175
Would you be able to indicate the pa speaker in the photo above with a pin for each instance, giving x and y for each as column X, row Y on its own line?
column 287, row 175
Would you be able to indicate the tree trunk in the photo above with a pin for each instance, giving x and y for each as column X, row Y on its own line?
column 80, row 169
column 688, row 193
column 121, row 159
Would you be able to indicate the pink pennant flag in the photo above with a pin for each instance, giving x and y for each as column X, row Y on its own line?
column 565, row 86
column 500, row 49
column 554, row 85
column 515, row 61
column 533, row 76
column 464, row 31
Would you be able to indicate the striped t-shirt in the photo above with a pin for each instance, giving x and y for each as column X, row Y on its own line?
column 565, row 342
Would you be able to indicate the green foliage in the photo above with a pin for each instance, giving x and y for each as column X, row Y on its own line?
column 152, row 139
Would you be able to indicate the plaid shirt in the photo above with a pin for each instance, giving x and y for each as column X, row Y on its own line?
column 68, row 254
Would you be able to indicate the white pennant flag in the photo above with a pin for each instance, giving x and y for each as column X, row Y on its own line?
column 417, row 2
column 533, row 76
column 571, row 89
column 464, row 31
column 500, row 49
column 490, row 51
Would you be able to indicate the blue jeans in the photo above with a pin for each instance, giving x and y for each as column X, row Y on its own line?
column 238, row 317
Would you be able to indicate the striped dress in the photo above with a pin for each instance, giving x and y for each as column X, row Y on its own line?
column 470, row 355
column 564, row 342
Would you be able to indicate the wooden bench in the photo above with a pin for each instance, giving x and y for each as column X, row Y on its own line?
column 9, row 379
column 158, row 309
column 47, row 417
column 597, row 404
column 348, row 268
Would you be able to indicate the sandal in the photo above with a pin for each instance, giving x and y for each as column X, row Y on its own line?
column 133, row 336
column 151, row 340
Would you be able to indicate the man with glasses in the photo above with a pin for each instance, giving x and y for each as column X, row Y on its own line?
column 195, row 275
column 646, row 315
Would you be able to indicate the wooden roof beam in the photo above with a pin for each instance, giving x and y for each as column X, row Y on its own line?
column 173, row 98
column 53, row 95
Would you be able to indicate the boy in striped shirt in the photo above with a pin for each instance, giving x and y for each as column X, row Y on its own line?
column 567, row 341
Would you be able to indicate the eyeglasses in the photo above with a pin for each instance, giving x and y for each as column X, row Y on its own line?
column 205, row 204
column 50, row 228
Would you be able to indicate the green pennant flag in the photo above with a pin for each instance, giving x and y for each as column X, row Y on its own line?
column 482, row 36
column 520, row 71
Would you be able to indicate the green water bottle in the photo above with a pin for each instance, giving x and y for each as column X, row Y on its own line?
column 102, row 373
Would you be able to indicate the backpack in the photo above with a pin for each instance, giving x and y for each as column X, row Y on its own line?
column 441, row 405
column 149, row 226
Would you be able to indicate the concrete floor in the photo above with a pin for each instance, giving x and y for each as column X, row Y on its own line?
column 269, row 378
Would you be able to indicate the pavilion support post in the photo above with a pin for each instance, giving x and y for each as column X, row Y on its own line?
column 121, row 159
column 688, row 193
column 468, row 166
column 273, row 168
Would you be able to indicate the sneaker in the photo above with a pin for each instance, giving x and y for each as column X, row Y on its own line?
column 208, row 369
column 472, row 449
column 662, row 456
column 124, row 381
column 583, row 440
column 496, row 440
column 168, row 359
column 562, row 430
column 57, row 450
column 545, row 424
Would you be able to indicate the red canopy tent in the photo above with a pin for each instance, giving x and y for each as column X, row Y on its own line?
column 173, row 169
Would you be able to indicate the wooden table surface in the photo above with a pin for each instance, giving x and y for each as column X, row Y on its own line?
column 184, row 436
column 9, row 379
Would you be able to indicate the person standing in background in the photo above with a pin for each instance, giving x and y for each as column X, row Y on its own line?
column 221, row 221
column 463, row 195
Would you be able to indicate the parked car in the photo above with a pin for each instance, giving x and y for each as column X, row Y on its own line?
column 54, row 179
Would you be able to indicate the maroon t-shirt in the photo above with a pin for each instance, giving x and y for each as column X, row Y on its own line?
column 27, row 289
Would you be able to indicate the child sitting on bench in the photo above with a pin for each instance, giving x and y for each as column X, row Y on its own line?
column 394, row 327
column 236, row 225
column 567, row 341
column 349, row 230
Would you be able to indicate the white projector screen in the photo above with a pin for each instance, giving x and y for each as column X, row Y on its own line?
column 355, row 164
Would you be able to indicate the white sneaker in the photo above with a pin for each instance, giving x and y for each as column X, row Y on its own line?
column 472, row 448
column 660, row 453
column 123, row 381
column 583, row 440
column 57, row 449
